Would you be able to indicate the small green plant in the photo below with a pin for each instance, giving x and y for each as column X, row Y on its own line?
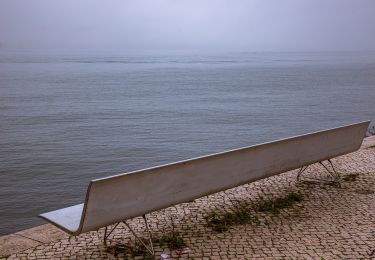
column 222, row 222
column 350, row 177
column 118, row 249
column 277, row 204
column 126, row 250
column 172, row 240
column 140, row 250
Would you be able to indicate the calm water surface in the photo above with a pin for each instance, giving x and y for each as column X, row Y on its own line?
column 68, row 118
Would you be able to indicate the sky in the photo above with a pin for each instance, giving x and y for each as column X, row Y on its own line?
column 249, row 25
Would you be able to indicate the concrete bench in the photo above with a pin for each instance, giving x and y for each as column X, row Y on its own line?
column 121, row 197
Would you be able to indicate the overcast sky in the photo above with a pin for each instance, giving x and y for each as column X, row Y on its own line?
column 253, row 25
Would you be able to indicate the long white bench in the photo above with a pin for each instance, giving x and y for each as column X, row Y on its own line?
column 121, row 197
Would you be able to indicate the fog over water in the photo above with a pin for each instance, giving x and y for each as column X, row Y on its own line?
column 95, row 88
column 252, row 25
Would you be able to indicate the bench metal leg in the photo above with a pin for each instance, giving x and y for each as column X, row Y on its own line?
column 149, row 248
column 149, row 234
column 301, row 170
column 333, row 173
column 110, row 232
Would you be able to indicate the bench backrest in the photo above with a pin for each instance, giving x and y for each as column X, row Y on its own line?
column 117, row 198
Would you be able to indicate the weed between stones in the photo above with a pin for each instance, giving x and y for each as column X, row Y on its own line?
column 350, row 177
column 222, row 222
column 172, row 240
column 277, row 204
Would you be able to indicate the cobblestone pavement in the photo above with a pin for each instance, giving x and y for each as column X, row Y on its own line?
column 325, row 221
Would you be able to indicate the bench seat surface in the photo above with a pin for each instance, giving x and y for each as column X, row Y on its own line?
column 67, row 218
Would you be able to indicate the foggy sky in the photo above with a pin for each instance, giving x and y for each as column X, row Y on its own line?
column 257, row 25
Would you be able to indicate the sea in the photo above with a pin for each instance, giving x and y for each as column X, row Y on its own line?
column 67, row 117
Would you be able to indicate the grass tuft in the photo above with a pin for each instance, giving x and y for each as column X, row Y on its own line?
column 172, row 240
column 139, row 250
column 350, row 177
column 277, row 204
column 222, row 222
column 126, row 250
